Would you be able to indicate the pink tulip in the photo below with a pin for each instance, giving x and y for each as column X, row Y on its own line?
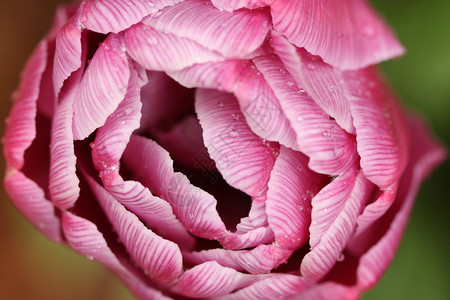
column 239, row 149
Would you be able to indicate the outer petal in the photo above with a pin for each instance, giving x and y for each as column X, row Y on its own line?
column 331, row 150
column 425, row 155
column 106, row 16
column 195, row 208
column 30, row 200
column 63, row 182
column 291, row 187
column 102, row 88
column 329, row 290
column 240, row 155
column 158, row 258
column 211, row 280
column 20, row 126
column 347, row 35
column 233, row 35
column 322, row 257
column 84, row 237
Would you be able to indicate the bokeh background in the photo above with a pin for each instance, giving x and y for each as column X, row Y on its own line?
column 33, row 268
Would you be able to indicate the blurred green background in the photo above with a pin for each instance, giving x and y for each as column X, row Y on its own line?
column 33, row 268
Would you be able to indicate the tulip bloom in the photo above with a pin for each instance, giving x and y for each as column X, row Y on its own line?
column 240, row 149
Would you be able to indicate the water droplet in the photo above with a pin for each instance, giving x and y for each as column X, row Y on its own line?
column 289, row 83
column 233, row 132
column 333, row 89
column 299, row 118
column 300, row 91
column 191, row 216
column 311, row 67
column 41, row 225
column 283, row 70
column 128, row 111
column 275, row 152
column 341, row 257
column 122, row 122
column 220, row 104
column 92, row 145
column 300, row 207
column 235, row 116
column 90, row 257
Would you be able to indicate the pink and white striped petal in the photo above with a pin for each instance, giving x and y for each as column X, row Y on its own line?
column 84, row 237
column 240, row 155
column 262, row 109
column 30, row 200
column 102, row 88
column 329, row 290
column 274, row 286
column 160, row 259
column 63, row 182
column 317, row 78
column 105, row 16
column 20, row 125
column 425, row 155
column 381, row 130
column 318, row 262
column 328, row 204
column 331, row 150
column 164, row 51
column 153, row 167
column 210, row 280
column 156, row 213
column 231, row 5
column 68, row 54
column 251, row 238
column 288, row 203
column 346, row 35
column 256, row 217
column 234, row 35
column 259, row 260
column 112, row 138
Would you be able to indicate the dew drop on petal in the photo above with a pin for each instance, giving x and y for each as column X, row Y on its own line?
column 341, row 257
column 220, row 104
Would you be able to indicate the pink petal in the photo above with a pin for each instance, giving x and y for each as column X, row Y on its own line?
column 330, row 149
column 112, row 138
column 375, row 210
column 317, row 78
column 259, row 260
column 381, row 133
column 67, row 57
column 106, row 16
column 346, row 35
column 195, row 208
column 256, row 217
column 102, row 88
column 425, row 155
column 251, row 238
column 63, row 182
column 211, row 280
column 63, row 13
column 328, row 204
column 325, row 254
column 20, row 125
column 160, row 259
column 30, row 200
column 329, row 290
column 233, row 35
column 240, row 155
column 262, row 109
column 230, row 5
column 210, row 75
column 84, row 237
column 160, row 51
column 153, row 211
column 291, row 187
column 275, row 286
